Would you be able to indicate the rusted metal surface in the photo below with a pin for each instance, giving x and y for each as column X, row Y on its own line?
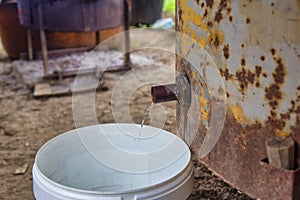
column 255, row 48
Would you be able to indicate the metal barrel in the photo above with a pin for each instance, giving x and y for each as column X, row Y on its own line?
column 253, row 48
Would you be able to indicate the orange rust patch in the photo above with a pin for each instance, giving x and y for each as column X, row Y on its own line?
column 238, row 114
column 281, row 133
column 189, row 16
column 203, row 103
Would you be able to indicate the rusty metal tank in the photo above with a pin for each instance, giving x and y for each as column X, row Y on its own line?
column 242, row 59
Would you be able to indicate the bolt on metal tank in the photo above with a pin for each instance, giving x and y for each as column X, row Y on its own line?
column 245, row 88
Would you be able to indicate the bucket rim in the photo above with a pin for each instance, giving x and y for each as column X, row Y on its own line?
column 188, row 170
column 188, row 165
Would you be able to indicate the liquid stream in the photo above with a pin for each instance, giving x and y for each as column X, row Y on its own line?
column 146, row 114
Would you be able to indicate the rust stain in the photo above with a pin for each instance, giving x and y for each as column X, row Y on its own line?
column 194, row 76
column 216, row 42
column 205, row 13
column 275, row 124
column 209, row 3
column 257, row 84
column 265, row 75
column 225, row 74
column 189, row 16
column 244, row 77
column 218, row 15
column 180, row 15
column 209, row 24
column 226, row 51
column 227, row 95
column 243, row 62
column 273, row 104
column 281, row 133
column 258, row 70
column 279, row 73
column 199, row 85
column 228, row 10
column 273, row 51
column 273, row 92
column 238, row 114
column 285, row 116
column 203, row 103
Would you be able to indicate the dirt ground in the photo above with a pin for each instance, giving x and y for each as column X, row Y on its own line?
column 26, row 123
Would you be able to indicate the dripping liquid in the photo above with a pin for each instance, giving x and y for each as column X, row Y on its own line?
column 146, row 114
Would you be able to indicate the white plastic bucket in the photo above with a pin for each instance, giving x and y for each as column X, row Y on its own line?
column 109, row 162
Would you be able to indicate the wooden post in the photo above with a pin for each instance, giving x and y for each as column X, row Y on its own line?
column 43, row 40
column 29, row 45
column 281, row 152
column 44, row 50
column 98, row 38
column 127, row 61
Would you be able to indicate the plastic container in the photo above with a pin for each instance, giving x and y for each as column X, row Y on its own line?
column 113, row 161
column 165, row 23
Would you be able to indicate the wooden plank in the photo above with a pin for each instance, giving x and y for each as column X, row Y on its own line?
column 45, row 89
column 85, row 71
column 281, row 152
column 60, row 52
column 65, row 88
column 55, row 52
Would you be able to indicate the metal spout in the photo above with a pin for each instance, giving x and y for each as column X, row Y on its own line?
column 180, row 91
column 164, row 93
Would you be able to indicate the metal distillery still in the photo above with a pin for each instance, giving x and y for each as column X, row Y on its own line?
column 241, row 58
